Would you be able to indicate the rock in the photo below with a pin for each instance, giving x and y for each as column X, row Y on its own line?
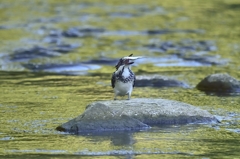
column 207, row 59
column 221, row 82
column 32, row 53
column 73, row 32
column 39, row 52
column 100, row 117
column 191, row 52
column 158, row 81
column 64, row 69
column 135, row 114
column 183, row 46
column 122, row 15
column 82, row 32
column 166, row 31
column 54, row 36
column 153, row 32
column 102, row 61
column 65, row 48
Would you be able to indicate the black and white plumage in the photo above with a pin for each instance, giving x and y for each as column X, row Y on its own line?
column 123, row 79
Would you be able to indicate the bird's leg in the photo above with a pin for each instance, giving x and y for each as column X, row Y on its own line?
column 115, row 97
column 129, row 96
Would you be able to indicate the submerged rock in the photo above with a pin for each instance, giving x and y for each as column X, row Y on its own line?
column 65, row 48
column 158, row 81
column 102, row 61
column 40, row 52
column 32, row 53
column 221, row 82
column 191, row 52
column 135, row 114
column 206, row 59
column 166, row 31
column 82, row 32
column 65, row 69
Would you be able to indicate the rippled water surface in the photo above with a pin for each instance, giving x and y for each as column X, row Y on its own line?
column 56, row 57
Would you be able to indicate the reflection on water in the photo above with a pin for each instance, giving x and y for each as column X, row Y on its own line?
column 43, row 46
column 33, row 105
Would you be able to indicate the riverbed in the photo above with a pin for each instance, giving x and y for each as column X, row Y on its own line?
column 57, row 57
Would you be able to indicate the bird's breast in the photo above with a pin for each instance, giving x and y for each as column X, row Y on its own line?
column 123, row 88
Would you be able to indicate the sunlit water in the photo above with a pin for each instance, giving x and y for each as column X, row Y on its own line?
column 40, row 91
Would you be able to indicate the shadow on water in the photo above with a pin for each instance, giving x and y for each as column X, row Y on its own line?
column 126, row 137
column 233, row 6
column 222, row 94
column 117, row 138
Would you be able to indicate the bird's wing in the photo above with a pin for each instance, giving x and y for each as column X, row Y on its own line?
column 113, row 80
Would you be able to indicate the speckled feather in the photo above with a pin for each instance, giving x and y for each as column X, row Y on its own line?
column 120, row 77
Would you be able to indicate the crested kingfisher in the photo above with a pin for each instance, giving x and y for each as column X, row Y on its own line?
column 123, row 79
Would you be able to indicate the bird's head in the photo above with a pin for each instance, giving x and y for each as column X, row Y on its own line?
column 126, row 61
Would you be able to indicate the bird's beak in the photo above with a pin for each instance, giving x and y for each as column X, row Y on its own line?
column 128, row 60
column 132, row 58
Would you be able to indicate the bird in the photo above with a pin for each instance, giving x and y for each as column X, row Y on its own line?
column 123, row 79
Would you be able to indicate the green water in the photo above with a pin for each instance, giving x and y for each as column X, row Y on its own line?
column 32, row 105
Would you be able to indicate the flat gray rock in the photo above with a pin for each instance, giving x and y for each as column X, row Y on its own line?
column 135, row 114
column 221, row 82
column 100, row 117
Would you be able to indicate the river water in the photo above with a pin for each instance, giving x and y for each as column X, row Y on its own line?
column 58, row 56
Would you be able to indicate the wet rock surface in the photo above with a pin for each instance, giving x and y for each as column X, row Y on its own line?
column 158, row 81
column 135, row 114
column 221, row 82
column 100, row 117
